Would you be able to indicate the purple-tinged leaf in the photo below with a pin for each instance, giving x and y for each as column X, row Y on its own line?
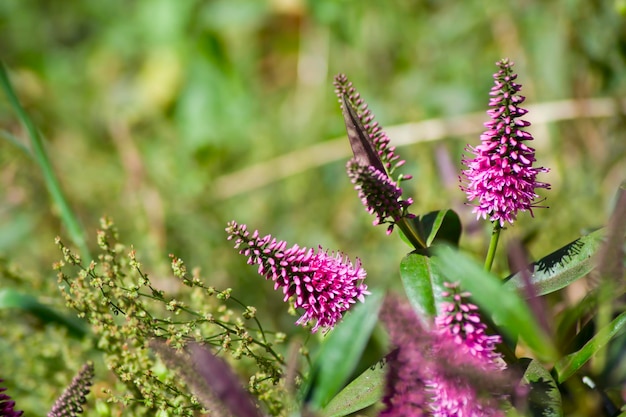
column 361, row 144
column 224, row 384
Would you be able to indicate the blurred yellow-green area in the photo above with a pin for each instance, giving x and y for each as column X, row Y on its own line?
column 175, row 116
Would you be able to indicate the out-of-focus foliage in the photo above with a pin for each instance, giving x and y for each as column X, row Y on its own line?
column 147, row 107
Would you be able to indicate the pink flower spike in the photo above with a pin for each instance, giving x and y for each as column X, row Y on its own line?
column 372, row 168
column 459, row 325
column 324, row 284
column 501, row 175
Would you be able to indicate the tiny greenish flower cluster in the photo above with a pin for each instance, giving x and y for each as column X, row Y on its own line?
column 127, row 311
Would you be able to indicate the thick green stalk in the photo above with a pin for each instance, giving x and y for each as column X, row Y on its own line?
column 74, row 228
column 493, row 244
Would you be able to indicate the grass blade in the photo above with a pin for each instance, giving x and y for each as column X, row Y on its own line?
column 74, row 228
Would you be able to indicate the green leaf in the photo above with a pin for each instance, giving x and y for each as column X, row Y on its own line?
column 423, row 284
column 544, row 398
column 441, row 226
column 340, row 352
column 571, row 363
column 508, row 309
column 9, row 298
column 562, row 267
column 364, row 391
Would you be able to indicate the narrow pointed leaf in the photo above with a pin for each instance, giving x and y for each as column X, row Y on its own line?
column 340, row 352
column 571, row 363
column 364, row 391
column 508, row 309
column 562, row 267
column 544, row 398
column 423, row 284
column 360, row 141
column 74, row 228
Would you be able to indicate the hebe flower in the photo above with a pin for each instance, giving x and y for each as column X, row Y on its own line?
column 374, row 162
column 451, row 370
column 501, row 175
column 323, row 284
column 460, row 325
column 7, row 405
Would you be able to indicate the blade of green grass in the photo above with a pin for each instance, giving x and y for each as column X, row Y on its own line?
column 10, row 298
column 74, row 228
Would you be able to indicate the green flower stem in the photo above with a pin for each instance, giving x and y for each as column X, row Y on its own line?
column 493, row 244
column 74, row 228
column 411, row 233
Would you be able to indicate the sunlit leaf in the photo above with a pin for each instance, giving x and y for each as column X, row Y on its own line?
column 544, row 398
column 423, row 284
column 563, row 266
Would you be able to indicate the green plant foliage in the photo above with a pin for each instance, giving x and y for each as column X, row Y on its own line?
column 423, row 284
column 126, row 311
column 509, row 310
column 364, row 391
column 340, row 353
column 571, row 363
column 174, row 117
column 10, row 298
column 544, row 398
column 562, row 267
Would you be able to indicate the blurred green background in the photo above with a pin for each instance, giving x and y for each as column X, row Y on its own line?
column 158, row 113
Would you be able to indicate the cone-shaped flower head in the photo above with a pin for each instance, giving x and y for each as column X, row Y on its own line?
column 323, row 284
column 70, row 403
column 460, row 325
column 374, row 162
column 501, row 175
column 7, row 406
